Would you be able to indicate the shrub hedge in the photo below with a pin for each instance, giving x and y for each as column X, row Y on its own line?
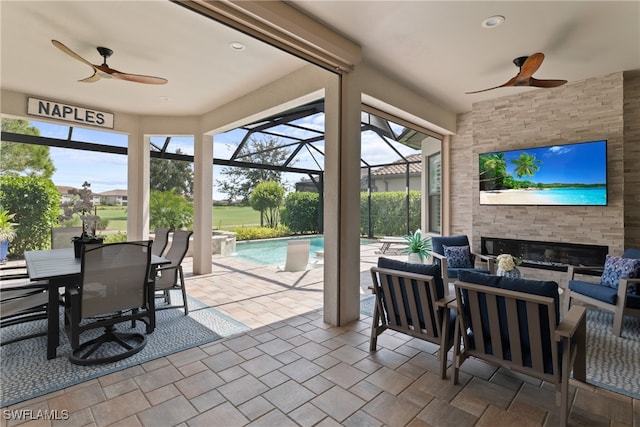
column 302, row 212
column 254, row 233
column 388, row 213
column 36, row 203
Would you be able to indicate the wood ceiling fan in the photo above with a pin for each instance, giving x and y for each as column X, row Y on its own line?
column 104, row 71
column 528, row 65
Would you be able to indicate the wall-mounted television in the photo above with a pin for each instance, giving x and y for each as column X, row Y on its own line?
column 568, row 174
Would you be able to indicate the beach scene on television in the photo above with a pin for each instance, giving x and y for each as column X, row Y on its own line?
column 570, row 174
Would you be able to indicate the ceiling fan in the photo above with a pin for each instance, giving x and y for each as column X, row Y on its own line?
column 528, row 65
column 104, row 71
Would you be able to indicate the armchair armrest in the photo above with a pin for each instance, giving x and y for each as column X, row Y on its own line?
column 594, row 270
column 572, row 332
column 571, row 322
column 437, row 255
column 444, row 268
column 445, row 301
column 623, row 289
column 489, row 259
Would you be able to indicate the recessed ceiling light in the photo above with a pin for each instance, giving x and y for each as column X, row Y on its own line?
column 493, row 21
column 237, row 46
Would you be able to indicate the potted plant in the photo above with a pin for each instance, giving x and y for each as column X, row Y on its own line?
column 89, row 227
column 7, row 233
column 418, row 247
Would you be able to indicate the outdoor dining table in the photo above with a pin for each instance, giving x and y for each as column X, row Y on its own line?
column 61, row 268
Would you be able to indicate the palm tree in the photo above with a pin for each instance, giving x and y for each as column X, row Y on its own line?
column 493, row 169
column 526, row 165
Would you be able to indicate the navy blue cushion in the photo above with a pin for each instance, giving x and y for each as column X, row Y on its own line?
column 424, row 269
column 603, row 293
column 631, row 253
column 595, row 290
column 458, row 256
column 438, row 242
column 455, row 272
column 479, row 278
column 410, row 267
column 633, row 301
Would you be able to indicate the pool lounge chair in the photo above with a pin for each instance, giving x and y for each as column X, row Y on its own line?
column 387, row 241
column 297, row 255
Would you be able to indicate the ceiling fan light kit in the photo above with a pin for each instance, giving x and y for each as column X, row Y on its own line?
column 528, row 65
column 104, row 71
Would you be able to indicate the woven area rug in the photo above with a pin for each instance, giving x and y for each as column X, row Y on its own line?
column 613, row 363
column 26, row 373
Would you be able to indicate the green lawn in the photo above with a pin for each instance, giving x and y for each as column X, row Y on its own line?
column 117, row 216
column 227, row 217
column 224, row 217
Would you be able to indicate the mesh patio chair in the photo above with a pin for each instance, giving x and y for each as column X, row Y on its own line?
column 20, row 303
column 61, row 236
column 171, row 276
column 160, row 240
column 114, row 288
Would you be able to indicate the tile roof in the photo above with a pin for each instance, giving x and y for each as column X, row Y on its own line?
column 399, row 167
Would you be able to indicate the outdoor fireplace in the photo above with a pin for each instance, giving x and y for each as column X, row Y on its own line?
column 546, row 255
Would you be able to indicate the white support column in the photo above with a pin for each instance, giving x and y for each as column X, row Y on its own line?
column 342, row 202
column 138, row 187
column 202, row 203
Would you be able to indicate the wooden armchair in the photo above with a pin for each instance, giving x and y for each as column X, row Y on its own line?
column 453, row 254
column 514, row 323
column 618, row 290
column 413, row 304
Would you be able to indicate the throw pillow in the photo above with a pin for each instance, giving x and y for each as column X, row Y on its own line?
column 458, row 256
column 616, row 268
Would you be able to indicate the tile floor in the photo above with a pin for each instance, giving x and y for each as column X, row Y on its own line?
column 292, row 369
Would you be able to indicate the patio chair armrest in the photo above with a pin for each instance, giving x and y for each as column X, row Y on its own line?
column 166, row 267
column 483, row 257
column 571, row 322
column 489, row 259
column 623, row 288
column 446, row 301
column 437, row 255
column 442, row 258
column 594, row 270
column 39, row 285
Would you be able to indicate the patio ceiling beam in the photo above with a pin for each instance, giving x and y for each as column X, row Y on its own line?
column 283, row 26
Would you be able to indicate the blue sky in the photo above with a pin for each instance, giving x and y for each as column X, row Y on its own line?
column 583, row 163
column 109, row 171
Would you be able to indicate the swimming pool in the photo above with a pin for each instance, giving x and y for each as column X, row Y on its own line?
column 274, row 251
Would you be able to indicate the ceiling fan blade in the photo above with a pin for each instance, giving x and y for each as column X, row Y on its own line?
column 94, row 78
column 71, row 53
column 138, row 78
column 546, row 83
column 530, row 66
column 509, row 83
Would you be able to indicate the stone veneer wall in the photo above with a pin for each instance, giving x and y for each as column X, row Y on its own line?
column 588, row 110
column 632, row 160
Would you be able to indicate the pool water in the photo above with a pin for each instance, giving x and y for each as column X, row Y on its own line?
column 274, row 251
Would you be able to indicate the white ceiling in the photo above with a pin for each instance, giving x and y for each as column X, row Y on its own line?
column 437, row 48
